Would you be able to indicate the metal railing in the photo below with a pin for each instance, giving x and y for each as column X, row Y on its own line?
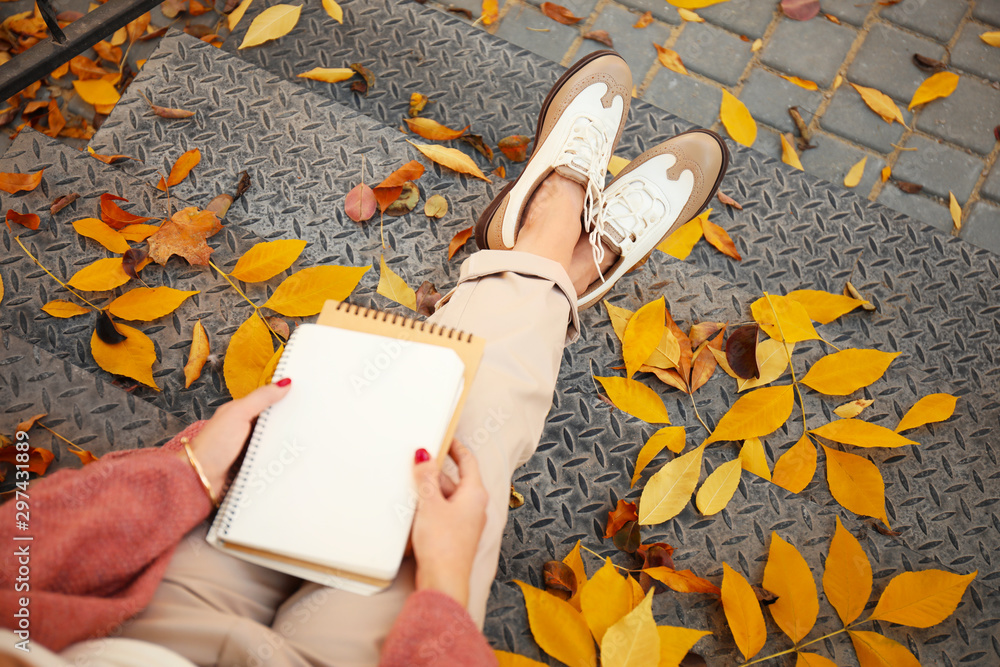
column 45, row 56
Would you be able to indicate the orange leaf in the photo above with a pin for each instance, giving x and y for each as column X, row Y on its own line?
column 95, row 229
column 249, row 350
column 682, row 581
column 874, row 650
column 267, row 259
column 779, row 315
column 29, row 220
column 133, row 357
column 14, row 183
column 451, row 158
column 389, row 189
column 846, row 371
column 433, row 130
column 795, row 468
column 670, row 59
column 38, row 458
column 86, row 458
column 756, row 414
column 936, row 86
column 703, row 362
column 184, row 235
column 856, row 483
column 644, row 21
column 64, row 309
column 635, row 398
column 559, row 13
column 737, row 120
column 458, row 240
column 718, row 237
column 515, row 147
column 107, row 52
column 304, row 292
column 642, row 334
column 802, row 83
column 137, row 233
column 753, row 459
column 104, row 274
column 490, row 12
column 682, row 240
column 198, row 354
column 928, row 410
column 847, row 579
column 328, row 74
column 558, row 628
column 29, row 422
column 622, row 514
column 185, row 163
column 148, row 303
column 742, row 612
column 787, row 575
column 84, row 68
column 97, row 92
column 115, row 216
column 880, row 103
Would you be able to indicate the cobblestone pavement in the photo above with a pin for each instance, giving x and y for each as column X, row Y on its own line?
column 950, row 145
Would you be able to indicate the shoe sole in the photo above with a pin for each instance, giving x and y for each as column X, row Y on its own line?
column 482, row 225
column 624, row 269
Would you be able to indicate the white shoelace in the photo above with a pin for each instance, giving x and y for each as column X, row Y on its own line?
column 630, row 212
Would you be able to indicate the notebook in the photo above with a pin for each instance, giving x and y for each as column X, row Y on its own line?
column 325, row 491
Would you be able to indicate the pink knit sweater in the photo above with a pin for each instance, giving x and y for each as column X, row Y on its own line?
column 104, row 535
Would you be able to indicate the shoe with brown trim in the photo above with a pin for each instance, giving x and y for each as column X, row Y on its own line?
column 652, row 196
column 578, row 129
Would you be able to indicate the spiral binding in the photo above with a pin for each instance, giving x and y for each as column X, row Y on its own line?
column 403, row 321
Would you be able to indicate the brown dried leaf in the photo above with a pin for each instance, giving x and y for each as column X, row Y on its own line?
column 106, row 329
column 184, row 235
column 560, row 580
column 167, row 112
column 476, row 141
column 408, row 198
column 132, row 261
column 800, row 10
column 627, row 538
column 601, row 36
column 928, row 64
column 703, row 363
column 29, row 422
column 62, row 202
column 623, row 513
column 417, row 104
column 364, row 73
column 515, row 147
column 427, row 298
column 390, row 189
column 500, row 172
column 908, row 187
column 360, row 203
column 459, row 10
column 741, row 351
column 729, row 201
column 220, row 205
column 644, row 20
column 559, row 13
column 516, row 498
column 459, row 240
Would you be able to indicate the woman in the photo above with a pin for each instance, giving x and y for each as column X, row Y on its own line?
column 120, row 572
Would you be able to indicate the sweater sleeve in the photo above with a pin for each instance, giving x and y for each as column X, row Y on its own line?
column 100, row 540
column 433, row 630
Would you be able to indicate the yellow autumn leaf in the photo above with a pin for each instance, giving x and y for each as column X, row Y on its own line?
column 104, row 274
column 619, row 318
column 304, row 292
column 489, row 12
column 635, row 398
column 788, row 154
column 638, row 595
column 642, row 334
column 557, row 628
column 795, row 468
column 505, row 659
column 633, row 641
column 682, row 240
column 886, row 173
column 436, row 206
column 921, row 599
column 861, row 434
column 148, row 303
column 753, row 458
column 801, row 83
column 267, row 372
column 96, row 92
column 690, row 16
column 392, row 287
column 991, row 38
column 880, row 103
column 934, row 87
column 237, row 14
column 616, row 164
column 197, row 355
column 671, row 437
column 779, row 314
column 928, row 410
column 133, row 357
column 719, row 487
column 742, row 613
column 756, row 414
column 675, row 643
column 787, row 575
column 249, row 350
column 328, row 74
column 846, row 371
column 334, row 10
column 452, row 158
column 956, row 211
column 772, row 361
column 874, row 650
column 856, row 483
column 806, row 659
column 847, row 577
column 267, row 259
column 137, row 233
column 694, row 4
column 107, row 236
column 855, row 173
column 852, row 409
column 605, row 600
column 575, row 562
column 824, row 307
column 737, row 120
column 60, row 308
column 669, row 490
column 272, row 23
column 433, row 130
column 670, row 59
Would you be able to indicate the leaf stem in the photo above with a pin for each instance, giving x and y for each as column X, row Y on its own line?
column 52, row 275
column 256, row 309
column 794, row 649
column 829, row 343
column 791, row 366
column 594, row 553
column 696, row 414
column 68, row 442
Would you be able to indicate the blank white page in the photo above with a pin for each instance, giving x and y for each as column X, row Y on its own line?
column 330, row 479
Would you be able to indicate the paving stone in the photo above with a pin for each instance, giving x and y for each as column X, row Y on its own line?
column 660, row 10
column 768, row 97
column 850, row 11
column 939, row 168
column 982, row 227
column 812, row 50
column 638, row 52
column 552, row 44
column 713, row 52
column 685, row 96
column 936, row 18
column 987, row 11
column 966, row 117
column 884, row 61
column 744, row 17
column 833, row 158
column 581, row 8
column 474, row 6
column 849, row 116
column 768, row 142
column 991, row 186
column 974, row 55
column 916, row 206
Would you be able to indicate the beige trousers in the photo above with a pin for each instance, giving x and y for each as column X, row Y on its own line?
column 214, row 609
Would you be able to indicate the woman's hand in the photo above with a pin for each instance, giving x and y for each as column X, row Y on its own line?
column 446, row 530
column 222, row 438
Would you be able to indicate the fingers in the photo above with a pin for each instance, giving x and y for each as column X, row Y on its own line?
column 468, row 465
column 428, row 481
column 251, row 405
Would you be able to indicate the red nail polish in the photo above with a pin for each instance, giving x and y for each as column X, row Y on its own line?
column 422, row 455
column 284, row 382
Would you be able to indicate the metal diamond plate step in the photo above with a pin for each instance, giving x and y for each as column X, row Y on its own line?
column 937, row 301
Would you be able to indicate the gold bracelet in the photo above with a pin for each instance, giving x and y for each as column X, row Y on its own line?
column 201, row 473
